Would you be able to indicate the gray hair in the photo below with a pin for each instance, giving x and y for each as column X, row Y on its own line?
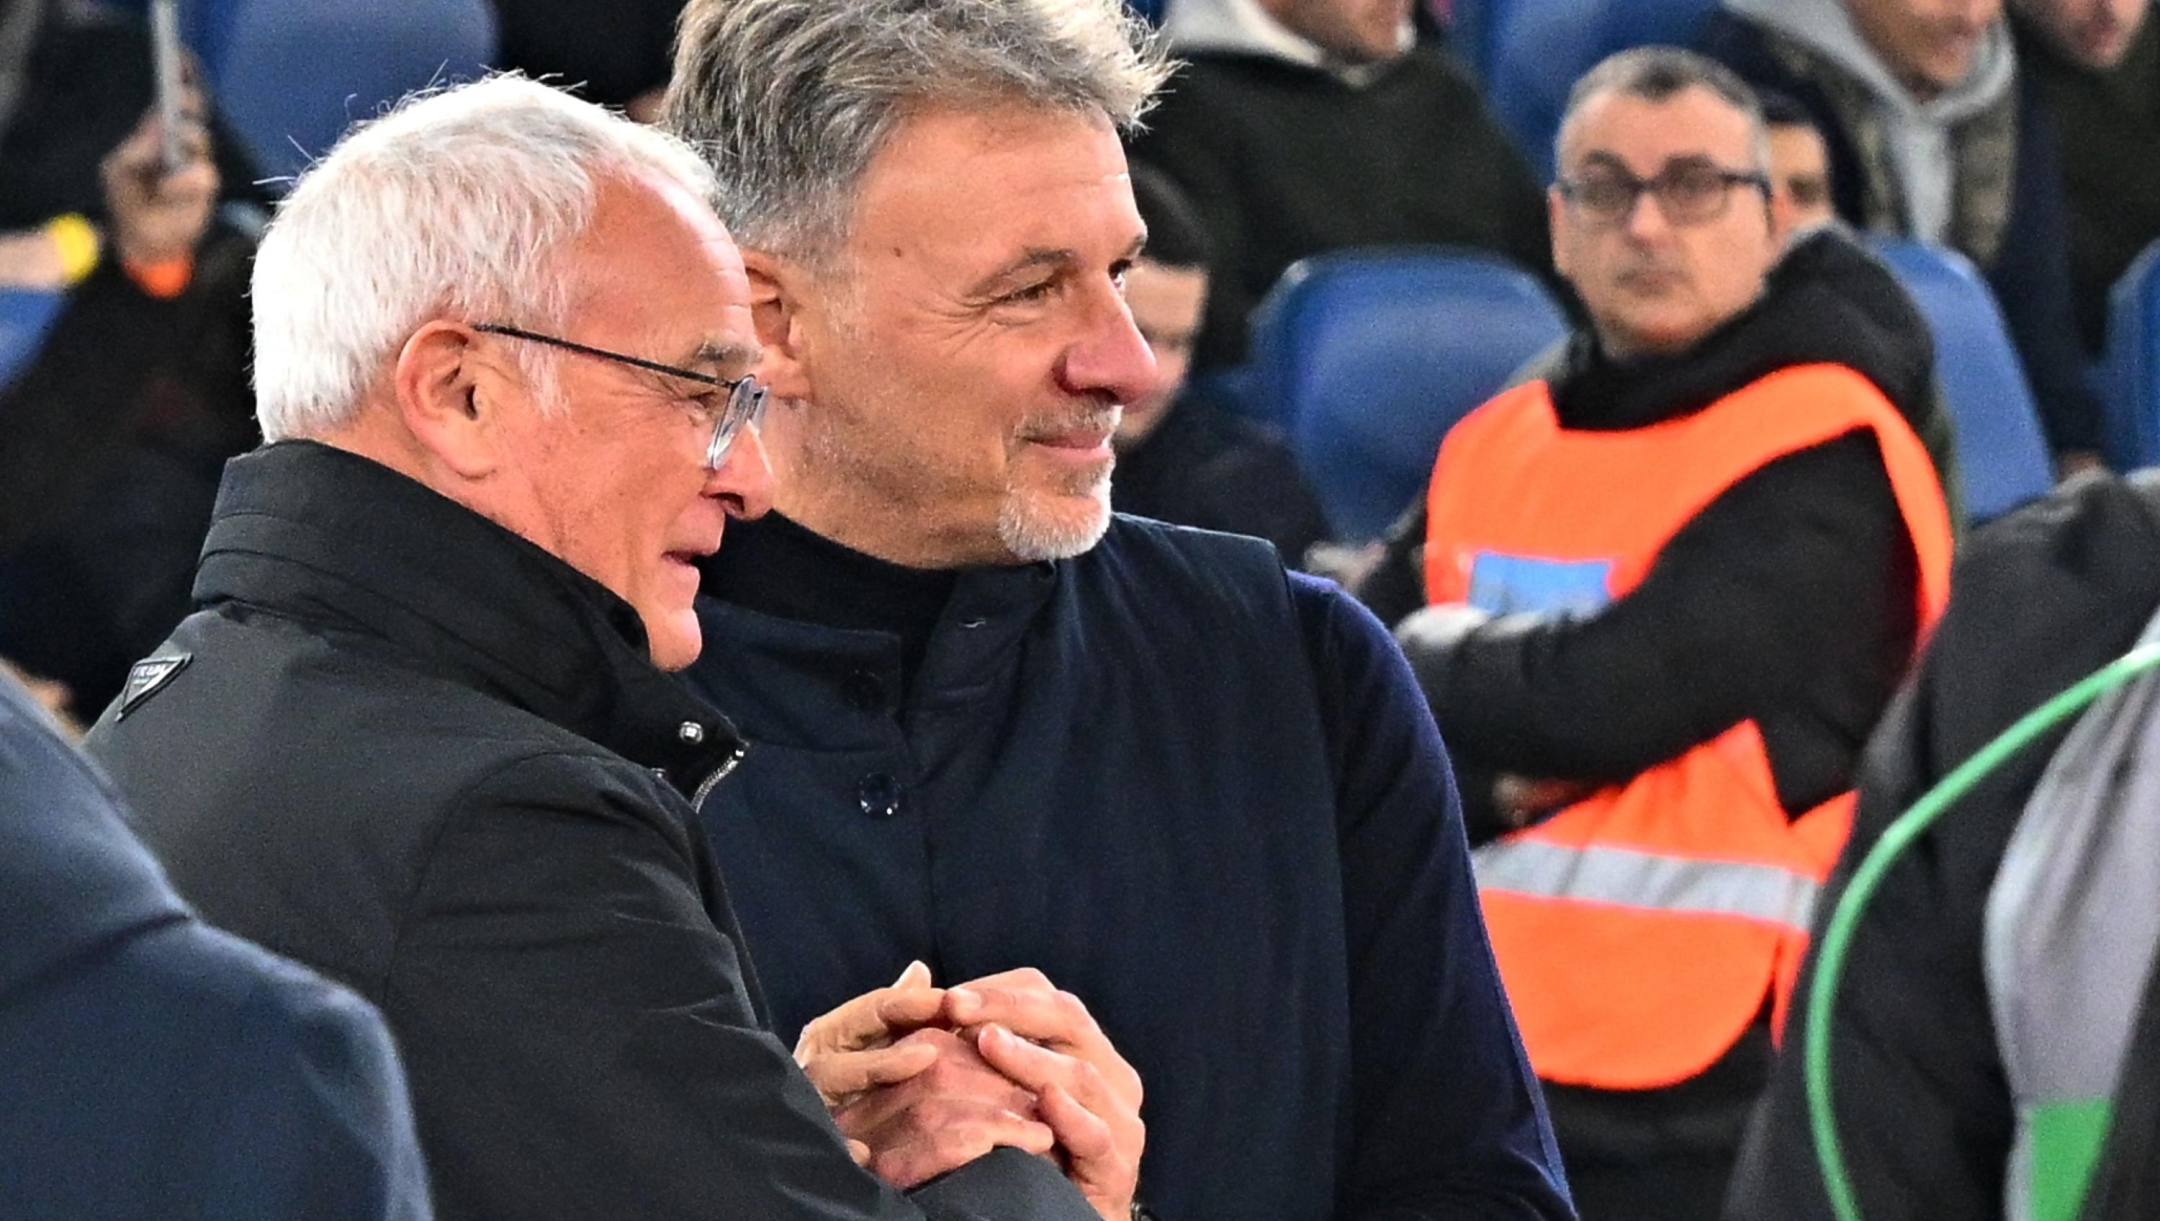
column 790, row 100
column 1656, row 74
column 455, row 203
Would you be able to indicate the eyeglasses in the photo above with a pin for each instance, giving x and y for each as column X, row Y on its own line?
column 1688, row 194
column 745, row 406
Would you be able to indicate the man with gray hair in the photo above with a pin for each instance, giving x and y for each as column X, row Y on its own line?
column 998, row 728
column 1674, row 580
column 418, row 734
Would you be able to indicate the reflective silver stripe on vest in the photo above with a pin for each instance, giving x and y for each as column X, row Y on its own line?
column 1630, row 878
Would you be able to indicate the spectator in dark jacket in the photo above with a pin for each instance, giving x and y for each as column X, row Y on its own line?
column 615, row 54
column 157, row 1067
column 1936, row 1103
column 2096, row 63
column 1303, row 126
column 113, row 428
column 419, row 737
column 1935, row 135
column 1180, row 458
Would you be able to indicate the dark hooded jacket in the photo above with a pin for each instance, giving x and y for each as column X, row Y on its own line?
column 2043, row 598
column 152, row 1066
column 421, row 754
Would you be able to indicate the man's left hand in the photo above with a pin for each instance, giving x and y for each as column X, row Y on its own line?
column 1047, row 1041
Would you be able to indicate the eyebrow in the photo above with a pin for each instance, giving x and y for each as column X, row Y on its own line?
column 723, row 353
column 1603, row 158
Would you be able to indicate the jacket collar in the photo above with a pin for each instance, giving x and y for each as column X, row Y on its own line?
column 330, row 538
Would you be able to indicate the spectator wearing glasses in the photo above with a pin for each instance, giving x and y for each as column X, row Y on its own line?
column 419, row 733
column 1672, row 587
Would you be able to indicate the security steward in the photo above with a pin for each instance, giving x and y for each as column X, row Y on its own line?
column 1673, row 586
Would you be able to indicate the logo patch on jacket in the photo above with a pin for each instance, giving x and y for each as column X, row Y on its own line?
column 148, row 677
column 1504, row 584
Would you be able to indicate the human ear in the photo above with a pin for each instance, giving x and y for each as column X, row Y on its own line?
column 781, row 294
column 447, row 396
column 1556, row 222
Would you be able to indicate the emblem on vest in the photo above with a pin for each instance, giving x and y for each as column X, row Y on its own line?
column 1503, row 584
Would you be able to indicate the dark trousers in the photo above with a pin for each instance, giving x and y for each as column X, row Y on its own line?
column 1664, row 1154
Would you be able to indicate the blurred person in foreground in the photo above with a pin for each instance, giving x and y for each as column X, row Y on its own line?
column 116, row 419
column 1996, row 1049
column 998, row 726
column 1673, row 586
column 419, row 733
column 1303, row 126
column 1934, row 134
column 2097, row 65
column 158, row 1067
column 1180, row 458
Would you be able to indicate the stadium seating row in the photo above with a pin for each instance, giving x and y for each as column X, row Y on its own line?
column 1366, row 359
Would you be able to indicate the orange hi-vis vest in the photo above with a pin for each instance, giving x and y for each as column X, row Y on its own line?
column 1639, row 930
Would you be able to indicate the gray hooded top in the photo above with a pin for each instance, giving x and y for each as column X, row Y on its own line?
column 1919, row 134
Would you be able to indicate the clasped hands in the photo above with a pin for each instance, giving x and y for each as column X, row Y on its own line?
column 923, row 1080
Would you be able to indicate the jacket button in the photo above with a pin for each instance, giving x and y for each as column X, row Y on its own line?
column 880, row 795
column 864, row 690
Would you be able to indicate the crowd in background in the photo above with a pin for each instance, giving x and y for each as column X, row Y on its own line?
column 1726, row 640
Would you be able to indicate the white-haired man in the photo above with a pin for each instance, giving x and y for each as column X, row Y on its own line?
column 997, row 728
column 418, row 733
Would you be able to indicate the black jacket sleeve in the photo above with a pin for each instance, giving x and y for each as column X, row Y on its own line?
column 1783, row 584
column 2042, row 598
column 1446, row 1119
column 581, row 1042
column 2031, row 279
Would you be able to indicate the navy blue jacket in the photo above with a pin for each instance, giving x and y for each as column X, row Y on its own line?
column 1200, row 793
column 152, row 1066
column 2031, row 273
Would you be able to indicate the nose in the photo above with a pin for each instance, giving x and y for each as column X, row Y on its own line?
column 1646, row 220
column 745, row 478
column 1110, row 357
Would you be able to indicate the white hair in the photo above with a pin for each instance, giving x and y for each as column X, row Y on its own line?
column 455, row 203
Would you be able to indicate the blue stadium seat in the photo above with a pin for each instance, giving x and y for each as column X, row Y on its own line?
column 1367, row 358
column 25, row 315
column 296, row 73
column 2002, row 455
column 1537, row 51
column 2132, row 373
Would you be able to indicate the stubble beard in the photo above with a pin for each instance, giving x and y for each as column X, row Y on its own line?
column 1057, row 525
